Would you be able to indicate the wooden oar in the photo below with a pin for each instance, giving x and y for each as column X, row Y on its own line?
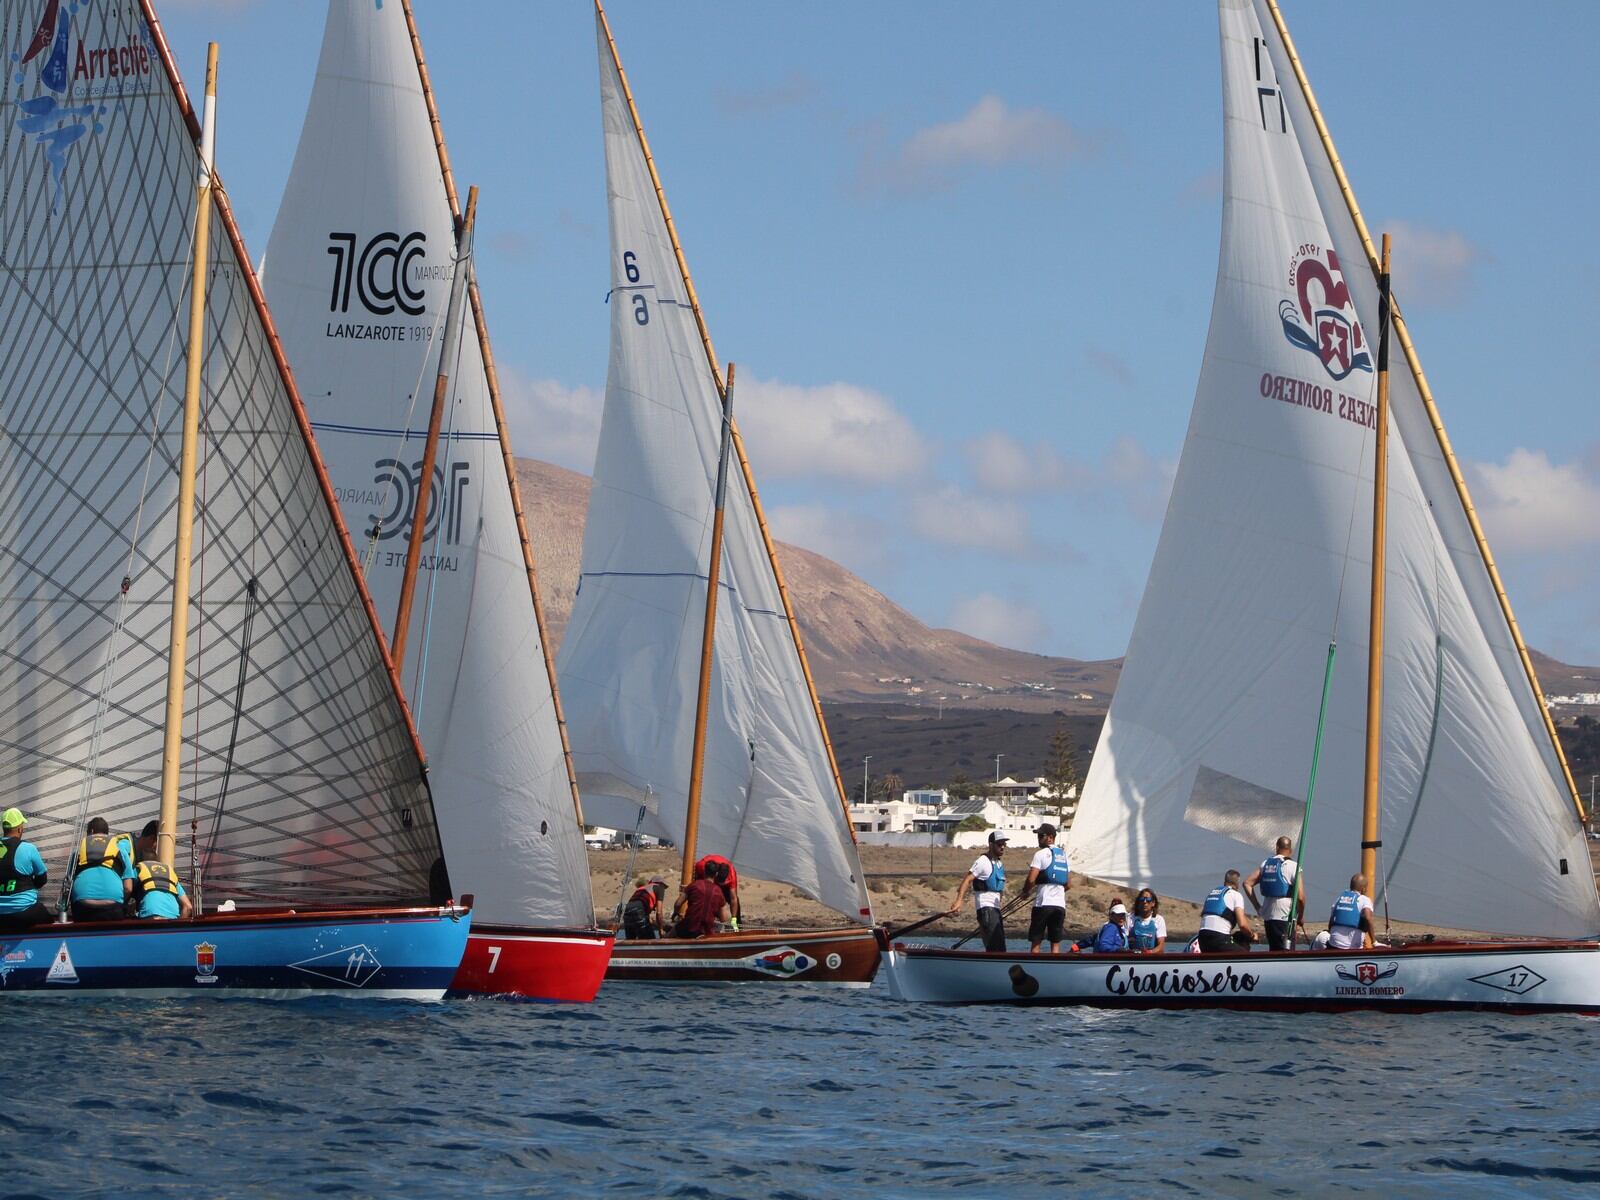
column 1004, row 912
column 891, row 934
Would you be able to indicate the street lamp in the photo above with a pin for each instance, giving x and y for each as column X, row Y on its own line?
column 997, row 759
column 865, row 778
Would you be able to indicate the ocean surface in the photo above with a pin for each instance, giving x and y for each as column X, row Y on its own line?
column 787, row 1092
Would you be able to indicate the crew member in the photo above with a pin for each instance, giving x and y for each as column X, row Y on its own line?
column 987, row 879
column 704, row 904
column 22, row 874
column 1049, row 877
column 145, row 848
column 642, row 916
column 1279, row 880
column 730, row 884
column 102, row 874
column 1350, row 923
column 1113, row 936
column 160, row 893
column 1223, row 925
column 1148, row 933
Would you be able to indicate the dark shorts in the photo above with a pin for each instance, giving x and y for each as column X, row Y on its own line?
column 98, row 910
column 1278, row 936
column 1212, row 942
column 993, row 927
column 1047, row 922
column 16, row 922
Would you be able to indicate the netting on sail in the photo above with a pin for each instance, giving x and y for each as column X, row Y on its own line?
column 359, row 270
column 301, row 779
column 1265, row 555
column 630, row 659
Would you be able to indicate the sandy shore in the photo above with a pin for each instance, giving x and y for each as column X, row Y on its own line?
column 907, row 885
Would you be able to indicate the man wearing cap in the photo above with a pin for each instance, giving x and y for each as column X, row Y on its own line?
column 1113, row 934
column 987, row 879
column 1048, row 880
column 22, row 874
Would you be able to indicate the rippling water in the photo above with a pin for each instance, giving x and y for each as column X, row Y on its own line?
column 774, row 1092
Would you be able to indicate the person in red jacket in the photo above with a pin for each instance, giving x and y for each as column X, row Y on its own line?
column 704, row 904
column 730, row 885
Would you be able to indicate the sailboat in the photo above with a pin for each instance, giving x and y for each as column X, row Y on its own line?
column 691, row 721
column 181, row 615
column 368, row 262
column 1243, row 712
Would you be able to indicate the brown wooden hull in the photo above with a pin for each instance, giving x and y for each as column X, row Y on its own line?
column 838, row 957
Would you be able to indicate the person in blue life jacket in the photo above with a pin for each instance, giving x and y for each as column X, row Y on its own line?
column 1223, row 924
column 1113, row 935
column 159, row 892
column 1147, row 932
column 102, row 874
column 1049, row 878
column 987, row 880
column 22, row 874
column 1350, row 922
column 1283, row 891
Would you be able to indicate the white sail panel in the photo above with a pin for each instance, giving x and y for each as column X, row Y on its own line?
column 1265, row 556
column 629, row 662
column 360, row 267
column 302, row 779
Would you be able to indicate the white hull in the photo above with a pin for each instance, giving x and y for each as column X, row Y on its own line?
column 1526, row 977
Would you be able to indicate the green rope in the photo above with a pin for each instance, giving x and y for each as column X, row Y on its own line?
column 1311, row 791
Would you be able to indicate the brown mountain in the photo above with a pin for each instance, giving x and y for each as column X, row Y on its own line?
column 862, row 646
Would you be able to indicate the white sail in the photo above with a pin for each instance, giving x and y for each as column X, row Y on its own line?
column 1265, row 556
column 302, row 779
column 360, row 266
column 630, row 659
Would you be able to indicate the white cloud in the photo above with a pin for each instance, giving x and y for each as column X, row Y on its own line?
column 990, row 134
column 952, row 517
column 1431, row 266
column 1529, row 504
column 793, row 89
column 551, row 421
column 838, row 430
column 993, row 618
column 1126, row 473
column 853, row 541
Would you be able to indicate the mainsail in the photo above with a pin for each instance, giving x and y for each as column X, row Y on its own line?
column 629, row 661
column 303, row 776
column 360, row 263
column 1265, row 557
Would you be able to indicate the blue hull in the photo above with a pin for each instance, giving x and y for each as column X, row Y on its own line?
column 409, row 953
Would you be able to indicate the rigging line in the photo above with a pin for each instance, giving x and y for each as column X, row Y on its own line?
column 246, row 627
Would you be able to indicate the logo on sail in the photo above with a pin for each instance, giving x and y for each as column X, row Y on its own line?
column 1320, row 316
column 48, row 118
column 396, row 490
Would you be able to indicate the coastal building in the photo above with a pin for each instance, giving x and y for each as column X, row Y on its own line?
column 928, row 816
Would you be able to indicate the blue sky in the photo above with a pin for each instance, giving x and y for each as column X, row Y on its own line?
column 964, row 253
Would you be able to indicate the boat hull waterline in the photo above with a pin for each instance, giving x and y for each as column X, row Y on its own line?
column 395, row 953
column 835, row 957
column 556, row 966
column 1528, row 977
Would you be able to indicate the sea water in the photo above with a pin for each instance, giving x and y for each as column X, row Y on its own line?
column 778, row 1091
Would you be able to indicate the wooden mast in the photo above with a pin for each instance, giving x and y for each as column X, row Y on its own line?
column 430, row 450
column 177, row 652
column 501, row 430
column 708, row 639
column 1414, row 364
column 733, row 427
column 1380, row 507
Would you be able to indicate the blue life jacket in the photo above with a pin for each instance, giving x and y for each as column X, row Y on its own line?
column 1143, row 935
column 1111, row 938
column 1346, row 910
column 1057, row 871
column 1214, row 907
column 995, row 882
column 1274, row 884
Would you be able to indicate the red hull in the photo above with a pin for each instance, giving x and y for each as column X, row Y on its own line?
column 558, row 966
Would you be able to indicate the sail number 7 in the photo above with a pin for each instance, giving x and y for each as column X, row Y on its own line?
column 494, row 958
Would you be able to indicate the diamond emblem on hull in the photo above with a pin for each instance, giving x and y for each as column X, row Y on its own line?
column 349, row 965
column 1516, row 980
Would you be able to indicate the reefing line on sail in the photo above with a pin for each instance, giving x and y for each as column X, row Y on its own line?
column 733, row 427
column 497, row 408
column 1414, row 364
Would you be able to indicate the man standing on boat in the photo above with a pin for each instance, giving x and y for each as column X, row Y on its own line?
column 987, row 879
column 22, row 874
column 1223, row 925
column 1279, row 880
column 1049, row 877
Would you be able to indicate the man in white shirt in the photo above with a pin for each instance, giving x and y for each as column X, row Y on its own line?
column 1049, row 877
column 1350, row 923
column 1223, row 925
column 987, row 880
column 1278, row 878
